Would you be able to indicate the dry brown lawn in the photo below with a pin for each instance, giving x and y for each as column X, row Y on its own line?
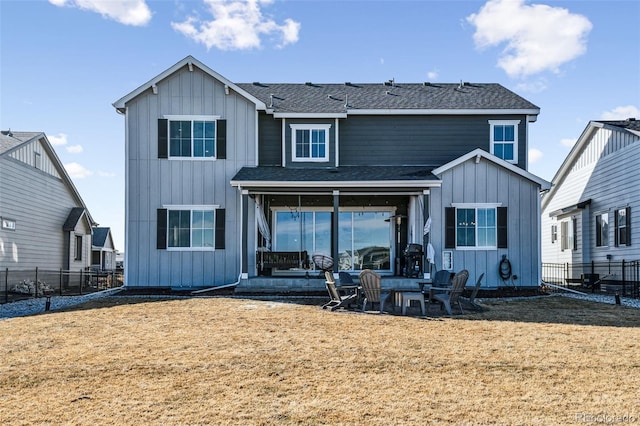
column 246, row 362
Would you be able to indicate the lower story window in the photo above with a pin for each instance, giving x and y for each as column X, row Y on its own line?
column 78, row 248
column 476, row 227
column 190, row 228
column 482, row 227
column 623, row 227
column 195, row 228
column 602, row 230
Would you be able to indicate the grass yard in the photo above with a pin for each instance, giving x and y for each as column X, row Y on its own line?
column 246, row 362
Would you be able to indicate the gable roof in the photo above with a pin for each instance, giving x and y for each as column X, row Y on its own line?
column 74, row 217
column 11, row 141
column 630, row 125
column 190, row 62
column 480, row 153
column 99, row 237
column 339, row 100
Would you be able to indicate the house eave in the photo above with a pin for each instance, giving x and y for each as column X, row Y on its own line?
column 570, row 209
column 338, row 184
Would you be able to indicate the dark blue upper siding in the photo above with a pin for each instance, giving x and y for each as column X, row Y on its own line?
column 418, row 140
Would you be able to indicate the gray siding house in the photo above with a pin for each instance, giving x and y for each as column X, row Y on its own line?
column 594, row 202
column 103, row 250
column 229, row 182
column 44, row 222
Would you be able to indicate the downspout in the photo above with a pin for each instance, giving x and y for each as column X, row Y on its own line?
column 243, row 214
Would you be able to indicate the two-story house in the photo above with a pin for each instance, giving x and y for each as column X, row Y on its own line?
column 588, row 214
column 219, row 173
column 44, row 222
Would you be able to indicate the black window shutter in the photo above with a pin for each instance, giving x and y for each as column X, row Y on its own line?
column 221, row 139
column 574, row 225
column 617, row 231
column 628, row 216
column 449, row 227
column 162, row 229
column 163, row 139
column 502, row 227
column 219, row 234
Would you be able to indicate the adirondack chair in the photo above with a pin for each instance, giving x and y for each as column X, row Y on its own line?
column 337, row 300
column 449, row 296
column 371, row 286
column 472, row 298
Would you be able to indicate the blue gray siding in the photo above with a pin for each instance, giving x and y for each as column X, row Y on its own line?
column 153, row 183
column 486, row 182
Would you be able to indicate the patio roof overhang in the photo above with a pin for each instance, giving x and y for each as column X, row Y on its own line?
column 353, row 178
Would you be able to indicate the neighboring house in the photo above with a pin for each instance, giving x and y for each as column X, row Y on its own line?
column 218, row 174
column 594, row 202
column 45, row 223
column 103, row 251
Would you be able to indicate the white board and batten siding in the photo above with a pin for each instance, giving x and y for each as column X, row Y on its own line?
column 607, row 172
column 154, row 183
column 39, row 202
column 487, row 183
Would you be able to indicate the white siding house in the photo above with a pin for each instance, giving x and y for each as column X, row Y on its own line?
column 594, row 203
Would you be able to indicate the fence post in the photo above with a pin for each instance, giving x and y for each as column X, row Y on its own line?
column 60, row 281
column 624, row 280
column 82, row 279
column 35, row 285
column 593, row 267
column 6, row 285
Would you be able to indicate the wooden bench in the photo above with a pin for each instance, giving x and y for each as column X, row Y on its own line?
column 269, row 260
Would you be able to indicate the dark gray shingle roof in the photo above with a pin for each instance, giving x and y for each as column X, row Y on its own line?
column 10, row 139
column 630, row 123
column 331, row 98
column 72, row 220
column 337, row 174
column 99, row 237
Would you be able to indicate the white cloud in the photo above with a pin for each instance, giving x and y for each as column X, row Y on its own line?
column 534, row 155
column 538, row 37
column 77, row 171
column 106, row 174
column 432, row 75
column 127, row 12
column 237, row 25
column 58, row 140
column 536, row 86
column 568, row 142
column 74, row 149
column 621, row 113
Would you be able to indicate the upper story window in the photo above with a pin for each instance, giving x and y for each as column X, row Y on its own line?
column 195, row 138
column 310, row 142
column 504, row 139
column 201, row 137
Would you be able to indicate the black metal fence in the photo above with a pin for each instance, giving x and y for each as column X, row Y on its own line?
column 20, row 284
column 622, row 278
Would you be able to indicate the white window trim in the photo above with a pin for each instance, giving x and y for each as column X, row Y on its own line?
column 190, row 118
column 191, row 208
column 515, row 123
column 325, row 127
column 476, row 207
